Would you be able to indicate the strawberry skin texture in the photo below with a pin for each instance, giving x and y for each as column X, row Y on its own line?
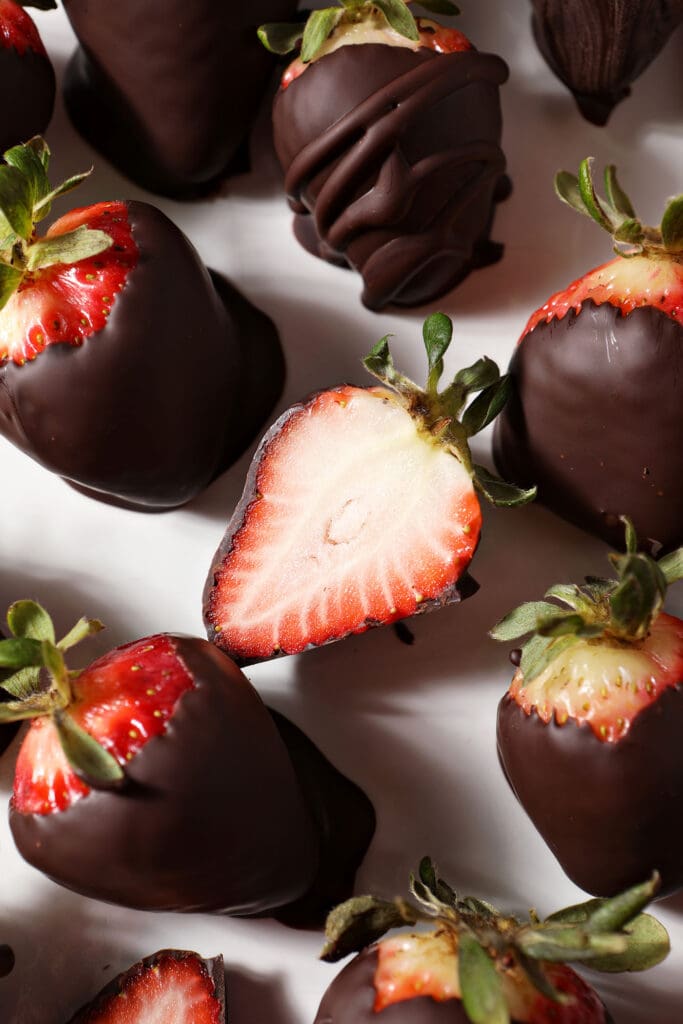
column 209, row 792
column 349, row 519
column 170, row 987
column 604, row 787
column 397, row 982
column 18, row 30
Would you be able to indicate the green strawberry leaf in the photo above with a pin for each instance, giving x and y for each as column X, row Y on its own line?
column 672, row 225
column 590, row 197
column 616, row 195
column 672, row 566
column 83, row 629
column 612, row 914
column 522, row 620
column 16, row 204
column 281, row 38
column 486, row 406
column 437, row 332
column 89, row 760
column 399, row 17
column 31, row 160
column 70, row 247
column 20, row 652
column 541, row 651
column 357, row 923
column 478, row 376
column 22, row 684
column 500, row 493
column 10, row 279
column 480, row 984
column 318, row 28
column 639, row 595
column 566, row 943
column 28, row 619
column 569, row 624
column 567, row 189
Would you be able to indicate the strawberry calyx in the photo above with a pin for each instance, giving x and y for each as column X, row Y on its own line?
column 490, row 961
column 26, row 197
column 26, row 657
column 445, row 417
column 312, row 35
column 615, row 213
column 618, row 612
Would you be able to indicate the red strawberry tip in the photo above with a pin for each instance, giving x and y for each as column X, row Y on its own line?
column 445, row 415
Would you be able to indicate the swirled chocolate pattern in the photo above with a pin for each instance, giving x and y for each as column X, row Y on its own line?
column 393, row 161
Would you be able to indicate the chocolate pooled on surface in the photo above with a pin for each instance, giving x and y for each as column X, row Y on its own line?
column 167, row 90
column 393, row 162
column 599, row 49
column 595, row 420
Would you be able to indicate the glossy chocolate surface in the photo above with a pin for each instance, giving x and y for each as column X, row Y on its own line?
column 595, row 420
column 152, row 407
column 599, row 49
column 611, row 813
column 27, row 83
column 392, row 162
column 168, row 89
column 204, row 808
column 213, row 969
column 345, row 822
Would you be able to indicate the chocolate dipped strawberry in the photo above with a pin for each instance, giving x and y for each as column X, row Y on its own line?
column 598, row 50
column 172, row 985
column 589, row 732
column 360, row 508
column 472, row 964
column 388, row 130
column 156, row 779
column 167, row 90
column 605, row 353
column 124, row 367
column 27, row 79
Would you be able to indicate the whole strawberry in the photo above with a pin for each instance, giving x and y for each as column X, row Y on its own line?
column 156, row 779
column 124, row 367
column 167, row 90
column 172, row 981
column 360, row 509
column 388, row 130
column 595, row 416
column 599, row 49
column 474, row 964
column 589, row 732
column 27, row 79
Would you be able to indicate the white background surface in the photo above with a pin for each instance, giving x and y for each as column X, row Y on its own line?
column 414, row 726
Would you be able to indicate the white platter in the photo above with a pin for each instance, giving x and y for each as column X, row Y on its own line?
column 414, row 726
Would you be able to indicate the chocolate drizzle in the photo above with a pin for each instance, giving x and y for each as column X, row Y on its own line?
column 595, row 420
column 610, row 812
column 599, row 49
column 168, row 89
column 27, row 83
column 399, row 175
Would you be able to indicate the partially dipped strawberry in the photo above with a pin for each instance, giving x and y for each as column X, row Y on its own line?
column 595, row 417
column 388, row 130
column 167, row 90
column 361, row 508
column 172, row 985
column 156, row 779
column 589, row 732
column 27, row 78
column 599, row 50
column 123, row 366
column 472, row 964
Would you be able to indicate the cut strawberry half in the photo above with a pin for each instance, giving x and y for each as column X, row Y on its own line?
column 360, row 509
column 171, row 987
column 588, row 733
column 473, row 964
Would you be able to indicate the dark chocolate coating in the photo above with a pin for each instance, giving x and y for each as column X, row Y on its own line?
column 27, row 83
column 168, row 89
column 595, row 420
column 147, row 411
column 211, row 817
column 611, row 813
column 599, row 49
column 345, row 822
column 7, row 960
column 213, row 969
column 392, row 160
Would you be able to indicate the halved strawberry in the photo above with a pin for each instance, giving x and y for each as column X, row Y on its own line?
column 605, row 353
column 360, row 509
column 91, row 337
column 171, row 987
column 27, row 78
column 156, row 779
column 390, row 148
column 589, row 732
column 474, row 964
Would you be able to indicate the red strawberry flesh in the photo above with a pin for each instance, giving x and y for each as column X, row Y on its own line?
column 18, row 30
column 625, row 283
column 355, row 518
column 123, row 700
column 68, row 303
column 169, row 988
